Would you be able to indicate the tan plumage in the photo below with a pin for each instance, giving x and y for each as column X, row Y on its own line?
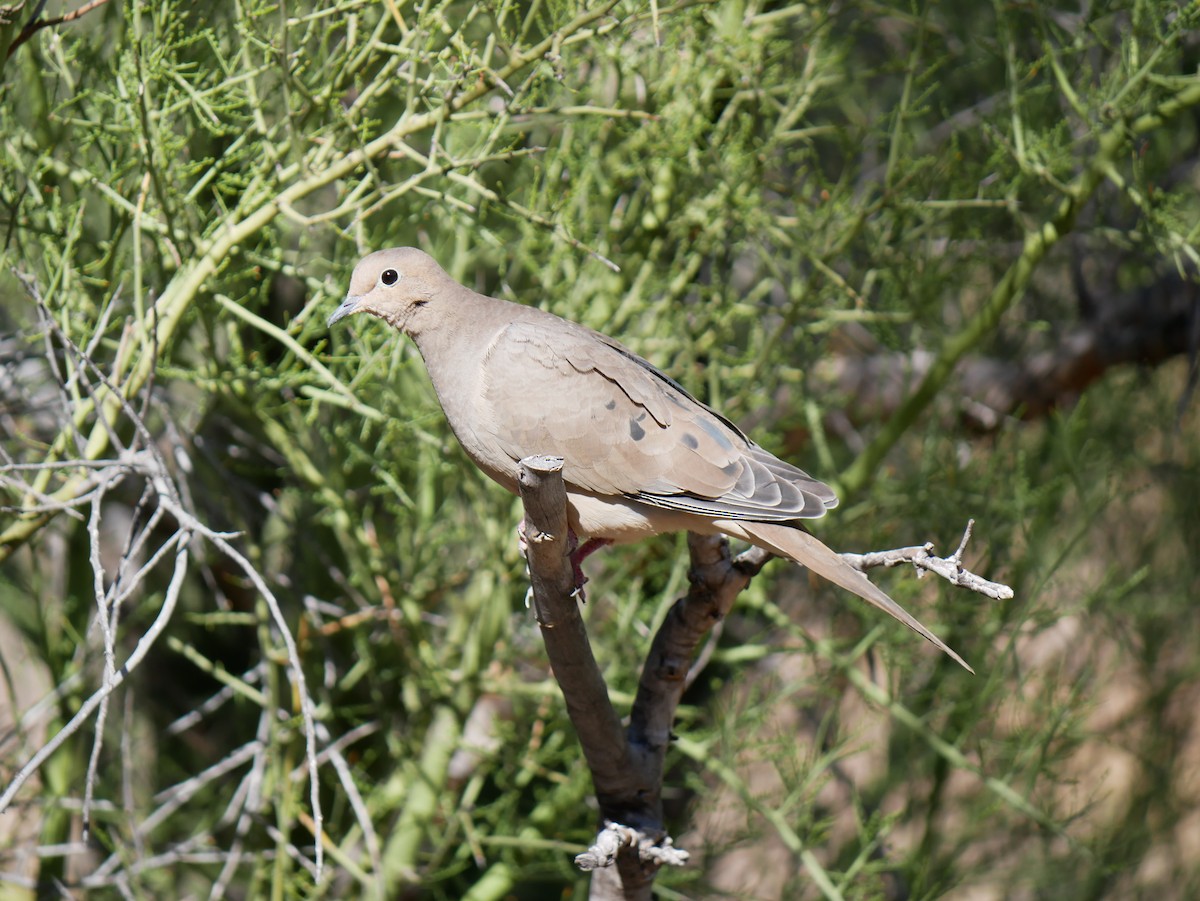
column 642, row 456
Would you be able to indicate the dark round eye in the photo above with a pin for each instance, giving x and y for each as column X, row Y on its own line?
column 389, row 277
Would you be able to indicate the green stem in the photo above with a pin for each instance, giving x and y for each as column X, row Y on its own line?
column 400, row 864
column 158, row 327
column 1011, row 288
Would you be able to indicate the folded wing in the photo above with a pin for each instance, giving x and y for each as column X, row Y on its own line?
column 627, row 429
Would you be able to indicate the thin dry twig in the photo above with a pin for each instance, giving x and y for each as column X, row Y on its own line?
column 922, row 558
column 152, row 634
column 613, row 837
column 140, row 458
column 36, row 23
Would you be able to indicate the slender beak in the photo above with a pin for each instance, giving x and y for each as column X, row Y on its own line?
column 349, row 305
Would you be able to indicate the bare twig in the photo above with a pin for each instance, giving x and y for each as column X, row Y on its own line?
column 922, row 558
column 36, row 23
column 613, row 837
column 107, row 628
column 141, row 458
column 179, row 541
column 219, row 540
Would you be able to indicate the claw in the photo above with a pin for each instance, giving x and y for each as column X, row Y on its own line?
column 578, row 554
column 575, row 551
column 522, row 541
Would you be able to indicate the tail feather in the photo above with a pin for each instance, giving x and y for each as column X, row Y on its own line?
column 803, row 548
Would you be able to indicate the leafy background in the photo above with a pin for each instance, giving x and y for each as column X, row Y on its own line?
column 812, row 214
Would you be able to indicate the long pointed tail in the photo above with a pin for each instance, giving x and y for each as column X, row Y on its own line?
column 801, row 547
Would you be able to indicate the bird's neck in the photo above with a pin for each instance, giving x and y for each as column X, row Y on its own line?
column 455, row 348
column 456, row 339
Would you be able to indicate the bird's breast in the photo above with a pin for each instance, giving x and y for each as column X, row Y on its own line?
column 622, row 519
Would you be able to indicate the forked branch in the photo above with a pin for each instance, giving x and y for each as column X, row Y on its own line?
column 627, row 765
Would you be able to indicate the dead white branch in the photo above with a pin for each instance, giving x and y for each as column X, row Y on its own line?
column 142, row 459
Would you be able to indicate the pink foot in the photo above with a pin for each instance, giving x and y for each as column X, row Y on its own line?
column 577, row 553
column 580, row 553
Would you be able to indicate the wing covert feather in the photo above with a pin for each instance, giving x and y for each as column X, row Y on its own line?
column 626, row 429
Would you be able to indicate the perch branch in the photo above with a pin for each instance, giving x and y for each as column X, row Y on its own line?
column 563, row 631
column 627, row 767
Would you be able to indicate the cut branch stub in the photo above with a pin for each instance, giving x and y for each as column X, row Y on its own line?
column 546, row 536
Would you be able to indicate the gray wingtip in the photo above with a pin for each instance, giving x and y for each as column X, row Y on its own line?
column 804, row 548
column 954, row 656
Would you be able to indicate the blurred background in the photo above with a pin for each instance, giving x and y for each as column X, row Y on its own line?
column 942, row 256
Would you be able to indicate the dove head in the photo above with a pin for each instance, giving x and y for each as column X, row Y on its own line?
column 394, row 285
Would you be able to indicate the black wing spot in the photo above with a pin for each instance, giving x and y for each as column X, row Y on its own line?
column 689, row 441
column 681, row 399
column 611, row 405
column 636, row 432
column 716, row 433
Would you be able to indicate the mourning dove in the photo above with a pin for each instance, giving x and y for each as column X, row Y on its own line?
column 642, row 456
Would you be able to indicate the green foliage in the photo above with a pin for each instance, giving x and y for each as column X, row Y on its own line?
column 188, row 187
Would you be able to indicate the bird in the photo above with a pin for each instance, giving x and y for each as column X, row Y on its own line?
column 641, row 455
